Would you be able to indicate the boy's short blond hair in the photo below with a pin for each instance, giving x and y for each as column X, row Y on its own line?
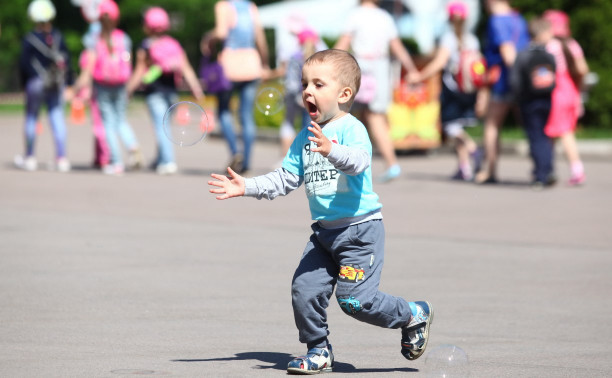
column 538, row 25
column 345, row 65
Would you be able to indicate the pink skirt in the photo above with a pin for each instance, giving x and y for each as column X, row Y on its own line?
column 565, row 109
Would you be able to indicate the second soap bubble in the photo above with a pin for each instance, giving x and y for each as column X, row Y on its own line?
column 269, row 101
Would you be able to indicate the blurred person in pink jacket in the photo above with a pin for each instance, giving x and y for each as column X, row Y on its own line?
column 566, row 102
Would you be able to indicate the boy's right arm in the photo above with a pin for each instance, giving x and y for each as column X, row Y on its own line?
column 279, row 182
column 269, row 186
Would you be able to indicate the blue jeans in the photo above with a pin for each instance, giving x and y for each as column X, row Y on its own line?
column 158, row 103
column 112, row 102
column 247, row 92
column 35, row 96
column 535, row 115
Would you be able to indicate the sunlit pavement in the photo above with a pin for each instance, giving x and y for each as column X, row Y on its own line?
column 147, row 275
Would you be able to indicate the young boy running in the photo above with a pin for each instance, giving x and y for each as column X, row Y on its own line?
column 332, row 158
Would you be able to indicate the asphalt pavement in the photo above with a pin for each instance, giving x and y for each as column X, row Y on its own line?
column 147, row 275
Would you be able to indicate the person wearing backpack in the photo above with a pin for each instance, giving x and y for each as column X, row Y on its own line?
column 110, row 67
column 461, row 101
column 161, row 63
column 532, row 80
column 44, row 65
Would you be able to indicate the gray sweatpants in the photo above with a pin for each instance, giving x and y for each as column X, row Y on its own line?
column 351, row 259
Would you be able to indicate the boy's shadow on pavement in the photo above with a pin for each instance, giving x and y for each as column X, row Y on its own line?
column 279, row 361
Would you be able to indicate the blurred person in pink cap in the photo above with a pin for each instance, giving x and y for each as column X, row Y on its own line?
column 371, row 34
column 161, row 63
column 459, row 54
column 110, row 66
column 566, row 102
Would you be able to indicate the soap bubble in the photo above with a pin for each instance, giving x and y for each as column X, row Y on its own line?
column 269, row 101
column 447, row 361
column 185, row 123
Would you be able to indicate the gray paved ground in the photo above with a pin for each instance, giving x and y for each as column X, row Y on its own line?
column 108, row 277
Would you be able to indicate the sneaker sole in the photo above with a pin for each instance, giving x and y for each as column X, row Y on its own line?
column 296, row 371
column 427, row 324
column 293, row 370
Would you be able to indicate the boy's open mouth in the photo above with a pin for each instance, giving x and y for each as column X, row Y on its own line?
column 312, row 108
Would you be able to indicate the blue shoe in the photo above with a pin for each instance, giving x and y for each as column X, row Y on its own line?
column 317, row 360
column 391, row 173
column 416, row 334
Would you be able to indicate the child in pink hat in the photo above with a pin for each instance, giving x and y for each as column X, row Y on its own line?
column 460, row 106
column 566, row 101
column 109, row 68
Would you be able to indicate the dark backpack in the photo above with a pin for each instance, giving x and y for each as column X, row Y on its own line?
column 539, row 72
column 54, row 75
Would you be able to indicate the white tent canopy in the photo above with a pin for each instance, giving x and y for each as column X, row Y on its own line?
column 425, row 22
column 324, row 16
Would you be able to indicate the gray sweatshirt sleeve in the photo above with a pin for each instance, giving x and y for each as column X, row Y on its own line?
column 349, row 160
column 271, row 185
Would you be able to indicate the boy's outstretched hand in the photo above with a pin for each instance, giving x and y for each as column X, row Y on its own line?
column 324, row 145
column 229, row 187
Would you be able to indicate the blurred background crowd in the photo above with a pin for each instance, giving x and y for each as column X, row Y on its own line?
column 430, row 70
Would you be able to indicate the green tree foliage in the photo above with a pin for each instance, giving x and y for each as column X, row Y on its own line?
column 190, row 20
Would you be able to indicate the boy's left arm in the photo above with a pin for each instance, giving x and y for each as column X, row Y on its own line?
column 349, row 160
